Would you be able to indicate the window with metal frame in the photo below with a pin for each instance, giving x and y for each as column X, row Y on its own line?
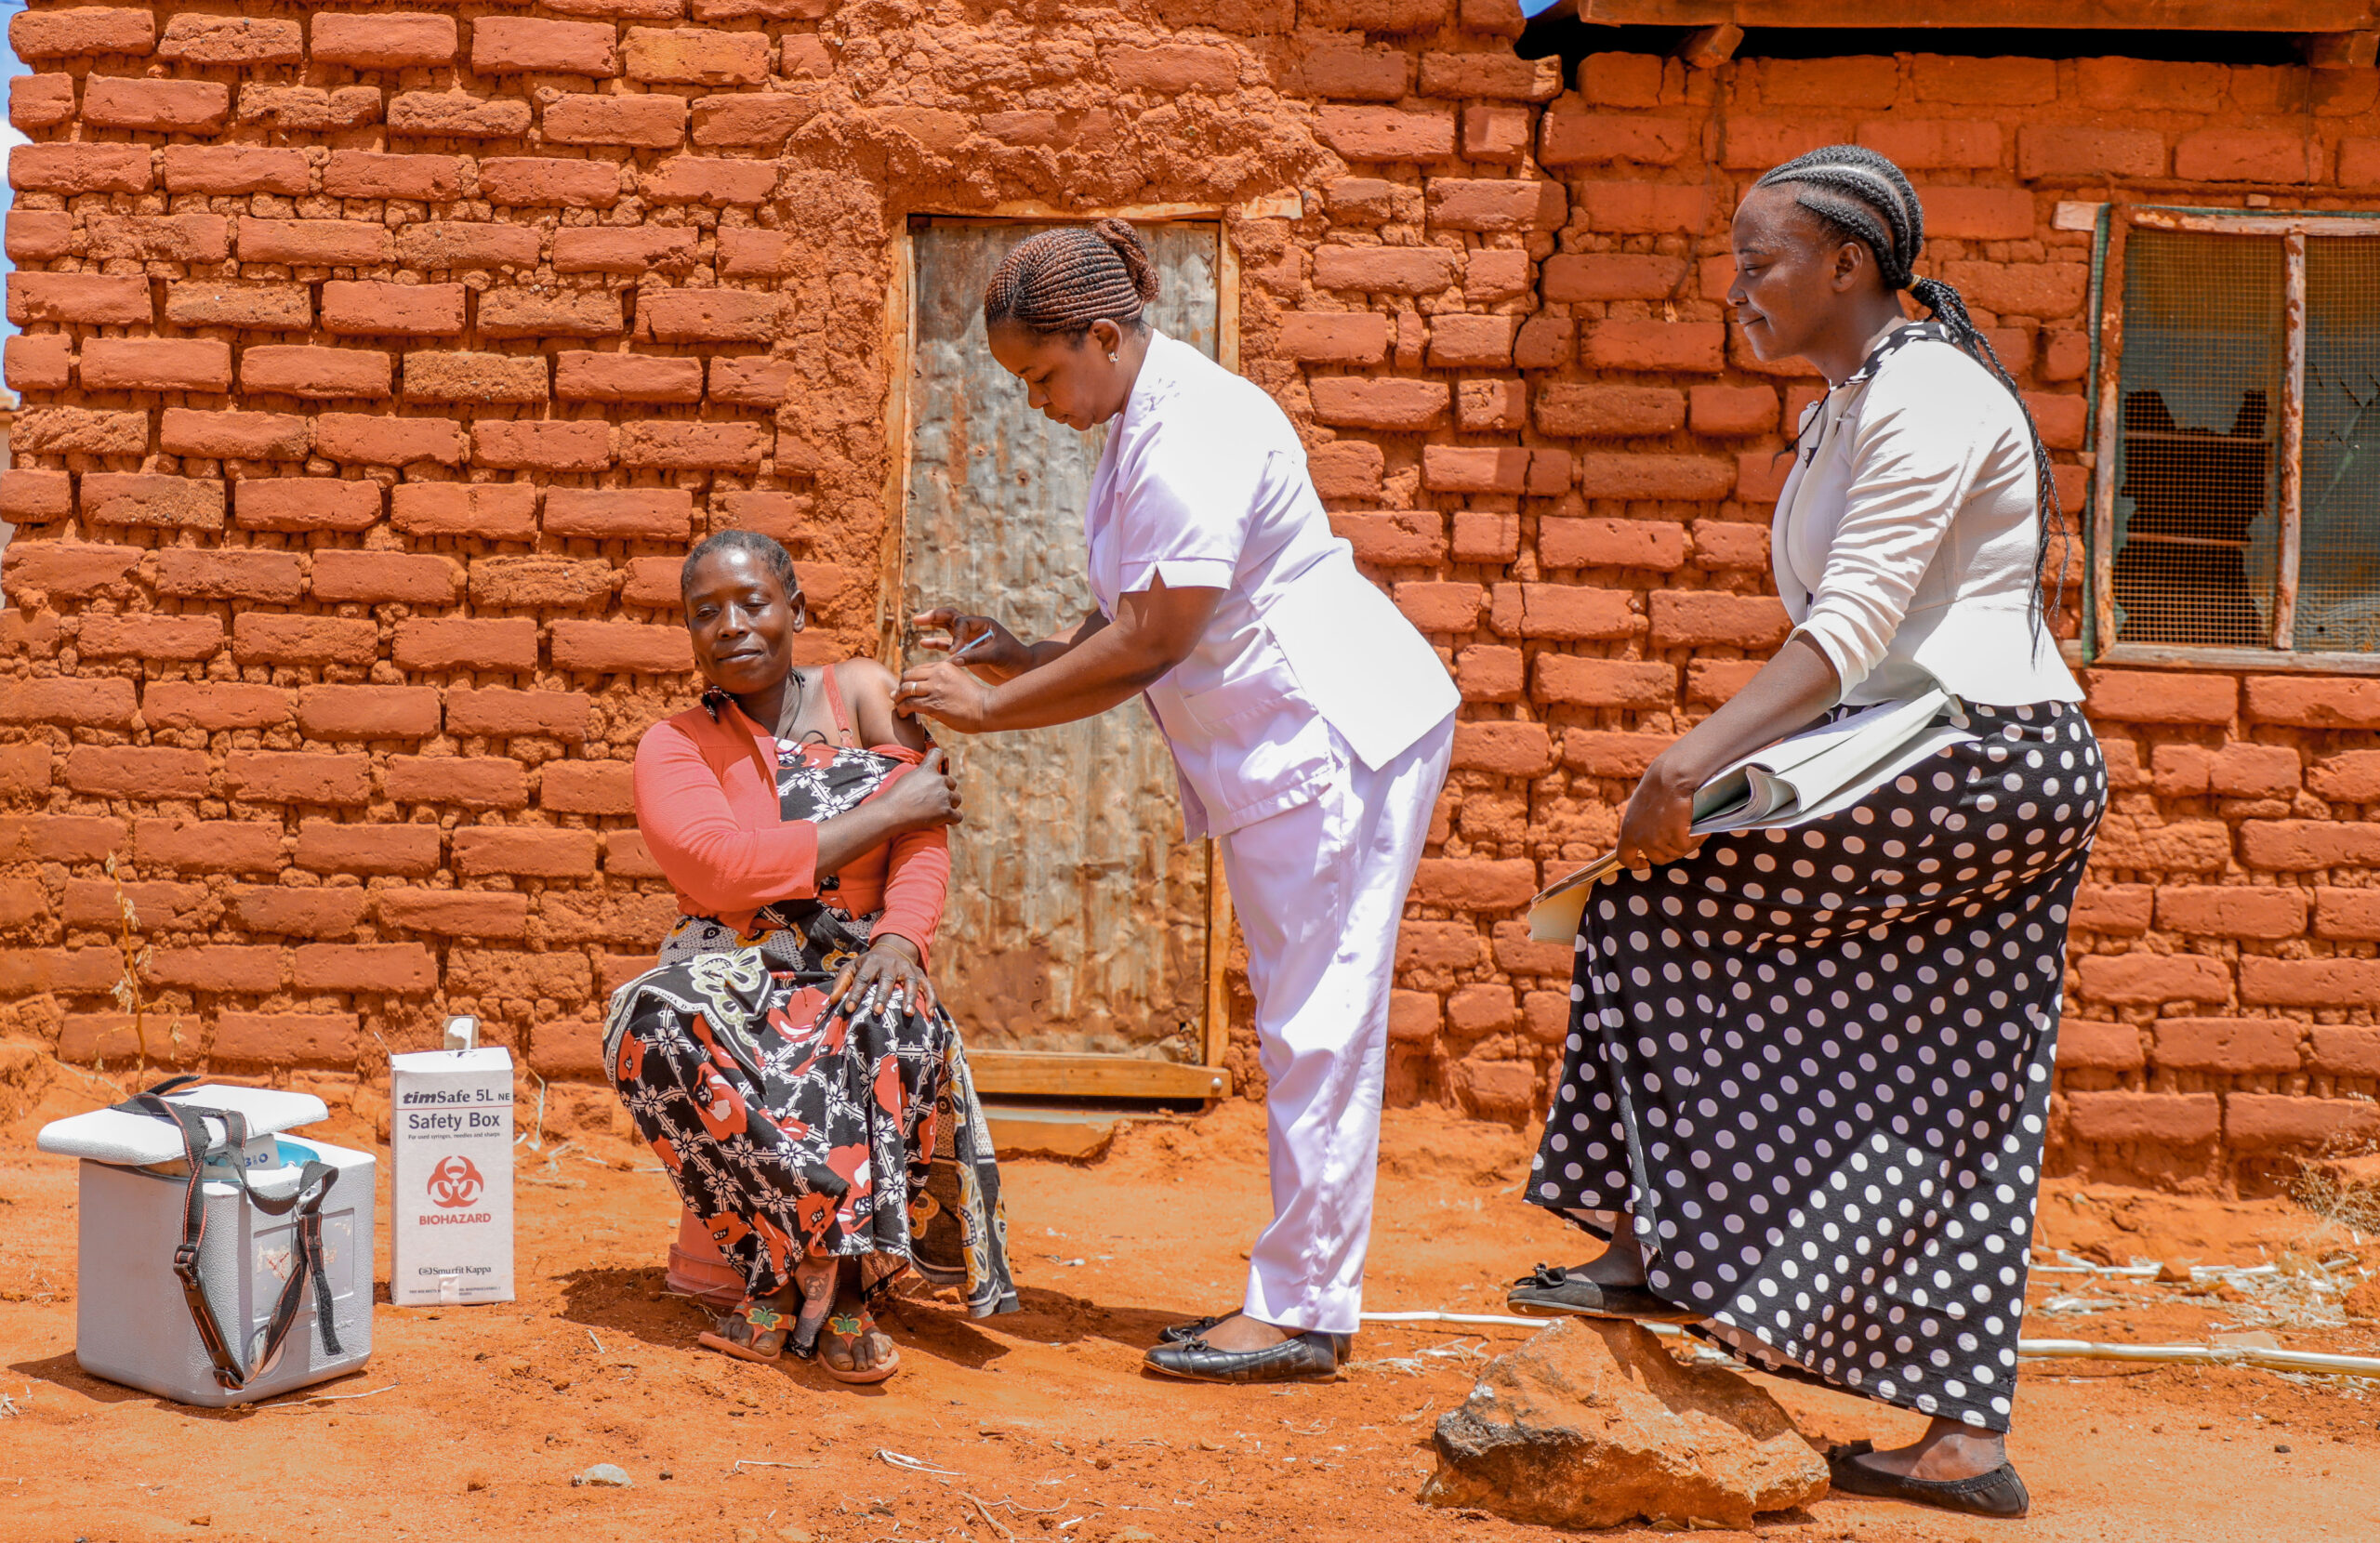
column 2236, row 508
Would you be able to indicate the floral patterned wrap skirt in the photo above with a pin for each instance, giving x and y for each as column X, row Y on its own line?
column 799, row 1133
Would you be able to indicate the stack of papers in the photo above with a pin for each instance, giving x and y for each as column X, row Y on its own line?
column 1807, row 777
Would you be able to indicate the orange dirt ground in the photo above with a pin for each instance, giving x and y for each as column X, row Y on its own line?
column 469, row 1422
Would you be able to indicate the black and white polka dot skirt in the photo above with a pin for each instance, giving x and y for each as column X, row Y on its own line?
column 1815, row 1064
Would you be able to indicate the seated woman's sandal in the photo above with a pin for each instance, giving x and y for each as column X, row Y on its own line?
column 755, row 1333
column 762, row 1330
column 843, row 1332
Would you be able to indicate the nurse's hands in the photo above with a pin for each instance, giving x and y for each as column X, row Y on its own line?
column 991, row 651
column 946, row 694
column 1654, row 829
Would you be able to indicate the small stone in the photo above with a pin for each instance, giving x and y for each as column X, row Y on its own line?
column 1134, row 1534
column 2280, row 1446
column 2253, row 1338
column 1594, row 1424
column 206, row 1521
column 603, row 1476
column 2170, row 1274
column 667, row 1474
column 793, row 1534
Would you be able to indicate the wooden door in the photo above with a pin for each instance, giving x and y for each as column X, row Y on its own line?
column 1078, row 916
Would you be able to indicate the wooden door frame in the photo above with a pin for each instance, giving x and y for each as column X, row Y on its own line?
column 1028, row 1072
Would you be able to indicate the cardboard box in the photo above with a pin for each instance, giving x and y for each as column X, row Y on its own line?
column 450, row 1140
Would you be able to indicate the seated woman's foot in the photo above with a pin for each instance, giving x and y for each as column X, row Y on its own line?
column 1241, row 1349
column 1953, row 1468
column 756, row 1332
column 851, row 1348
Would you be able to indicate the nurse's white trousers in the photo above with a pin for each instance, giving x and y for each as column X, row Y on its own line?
column 1319, row 891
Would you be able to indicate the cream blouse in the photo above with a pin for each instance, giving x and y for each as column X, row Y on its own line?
column 1903, row 542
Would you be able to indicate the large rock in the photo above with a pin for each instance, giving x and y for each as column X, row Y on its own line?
column 1592, row 1423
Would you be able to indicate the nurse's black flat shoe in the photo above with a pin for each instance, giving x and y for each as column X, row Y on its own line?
column 1550, row 1291
column 1174, row 1334
column 1310, row 1357
column 1999, row 1493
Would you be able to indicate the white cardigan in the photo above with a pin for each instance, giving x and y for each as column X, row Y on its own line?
column 1903, row 542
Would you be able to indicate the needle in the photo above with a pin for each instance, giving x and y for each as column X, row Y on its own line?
column 968, row 647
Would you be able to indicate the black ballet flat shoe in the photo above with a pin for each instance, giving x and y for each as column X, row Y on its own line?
column 1550, row 1291
column 1174, row 1334
column 1999, row 1493
column 1310, row 1357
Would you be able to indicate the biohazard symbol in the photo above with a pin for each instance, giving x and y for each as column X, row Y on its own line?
column 454, row 1184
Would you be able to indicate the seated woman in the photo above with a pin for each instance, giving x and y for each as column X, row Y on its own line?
column 787, row 1060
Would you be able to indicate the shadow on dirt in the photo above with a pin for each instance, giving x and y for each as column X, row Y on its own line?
column 637, row 1303
column 62, row 1372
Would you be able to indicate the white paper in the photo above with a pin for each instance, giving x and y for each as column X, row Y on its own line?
column 1806, row 777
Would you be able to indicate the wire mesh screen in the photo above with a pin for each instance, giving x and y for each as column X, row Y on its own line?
column 2196, row 513
column 2338, row 569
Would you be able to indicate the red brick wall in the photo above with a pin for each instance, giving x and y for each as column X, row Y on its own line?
column 377, row 367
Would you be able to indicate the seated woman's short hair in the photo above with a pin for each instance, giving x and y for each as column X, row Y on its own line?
column 738, row 539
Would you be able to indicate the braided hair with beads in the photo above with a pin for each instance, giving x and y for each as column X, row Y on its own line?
column 1859, row 195
column 1062, row 281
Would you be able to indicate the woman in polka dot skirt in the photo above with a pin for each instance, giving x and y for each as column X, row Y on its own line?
column 1807, row 1069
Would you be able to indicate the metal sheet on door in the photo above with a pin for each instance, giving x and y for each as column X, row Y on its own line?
column 1077, row 913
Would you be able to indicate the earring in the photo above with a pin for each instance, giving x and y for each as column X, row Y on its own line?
column 1111, row 359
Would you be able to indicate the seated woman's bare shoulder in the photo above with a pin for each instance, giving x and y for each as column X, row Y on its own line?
column 867, row 688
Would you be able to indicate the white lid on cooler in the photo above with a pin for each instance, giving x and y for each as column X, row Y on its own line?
column 137, row 1141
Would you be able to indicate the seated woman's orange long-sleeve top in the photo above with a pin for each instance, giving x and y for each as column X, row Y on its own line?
column 707, row 807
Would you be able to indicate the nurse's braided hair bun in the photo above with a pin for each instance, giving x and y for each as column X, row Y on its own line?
column 1861, row 196
column 1062, row 281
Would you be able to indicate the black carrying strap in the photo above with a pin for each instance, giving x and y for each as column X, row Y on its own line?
column 314, row 1181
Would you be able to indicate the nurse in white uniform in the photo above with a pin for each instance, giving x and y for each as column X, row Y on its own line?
column 1309, row 721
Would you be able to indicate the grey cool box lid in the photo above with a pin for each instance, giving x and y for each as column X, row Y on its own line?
column 137, row 1141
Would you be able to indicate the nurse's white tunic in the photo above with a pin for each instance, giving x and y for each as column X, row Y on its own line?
column 1311, row 728
column 1204, row 481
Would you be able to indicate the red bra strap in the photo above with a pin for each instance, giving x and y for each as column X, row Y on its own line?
column 835, row 706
